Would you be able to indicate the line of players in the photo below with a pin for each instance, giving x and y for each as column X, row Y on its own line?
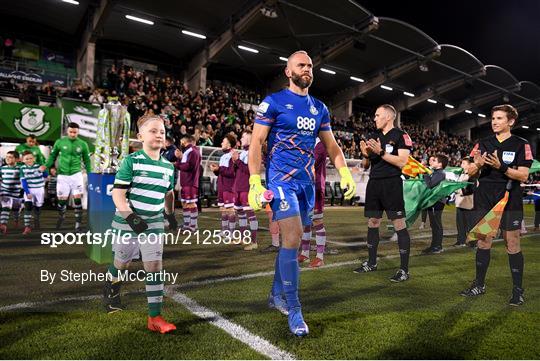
column 23, row 182
column 23, row 186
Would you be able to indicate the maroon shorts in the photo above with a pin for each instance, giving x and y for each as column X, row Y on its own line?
column 226, row 199
column 189, row 194
column 319, row 201
column 241, row 201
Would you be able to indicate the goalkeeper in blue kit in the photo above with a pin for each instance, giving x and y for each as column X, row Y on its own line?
column 291, row 119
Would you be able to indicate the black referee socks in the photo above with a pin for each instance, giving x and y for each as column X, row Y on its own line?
column 404, row 244
column 516, row 267
column 372, row 244
column 483, row 256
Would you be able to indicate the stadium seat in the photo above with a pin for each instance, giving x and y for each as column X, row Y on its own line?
column 338, row 193
column 328, row 193
column 207, row 192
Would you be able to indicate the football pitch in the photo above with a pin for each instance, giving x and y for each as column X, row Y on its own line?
column 219, row 303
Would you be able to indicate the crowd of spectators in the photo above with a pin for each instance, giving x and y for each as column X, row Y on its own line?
column 211, row 113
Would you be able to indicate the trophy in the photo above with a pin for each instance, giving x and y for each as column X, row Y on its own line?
column 112, row 139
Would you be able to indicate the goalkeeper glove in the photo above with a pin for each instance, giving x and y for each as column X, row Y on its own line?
column 256, row 191
column 137, row 224
column 347, row 182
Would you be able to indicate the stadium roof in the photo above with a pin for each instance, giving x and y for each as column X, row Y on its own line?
column 359, row 51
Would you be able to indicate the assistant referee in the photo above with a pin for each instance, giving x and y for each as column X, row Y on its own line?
column 503, row 161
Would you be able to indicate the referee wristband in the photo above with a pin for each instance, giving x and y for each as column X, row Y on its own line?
column 503, row 168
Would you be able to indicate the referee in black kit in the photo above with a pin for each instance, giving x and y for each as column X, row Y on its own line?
column 503, row 161
column 387, row 150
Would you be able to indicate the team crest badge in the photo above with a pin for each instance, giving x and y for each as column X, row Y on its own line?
column 165, row 177
column 32, row 122
column 313, row 110
column 508, row 157
column 389, row 148
column 78, row 149
column 283, row 205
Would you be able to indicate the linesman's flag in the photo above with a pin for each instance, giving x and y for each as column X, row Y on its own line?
column 489, row 225
column 413, row 168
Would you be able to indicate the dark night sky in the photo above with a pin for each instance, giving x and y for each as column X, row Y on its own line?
column 503, row 33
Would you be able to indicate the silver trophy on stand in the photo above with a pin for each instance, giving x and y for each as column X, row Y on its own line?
column 112, row 138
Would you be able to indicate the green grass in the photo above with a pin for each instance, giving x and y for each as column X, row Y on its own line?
column 350, row 316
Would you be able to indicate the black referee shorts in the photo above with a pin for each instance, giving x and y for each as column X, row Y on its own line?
column 385, row 195
column 488, row 194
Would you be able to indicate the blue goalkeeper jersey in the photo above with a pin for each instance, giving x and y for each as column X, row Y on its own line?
column 295, row 122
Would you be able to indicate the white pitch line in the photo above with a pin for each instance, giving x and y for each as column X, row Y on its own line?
column 18, row 306
column 236, row 331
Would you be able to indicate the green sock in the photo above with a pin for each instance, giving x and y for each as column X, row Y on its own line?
column 154, row 292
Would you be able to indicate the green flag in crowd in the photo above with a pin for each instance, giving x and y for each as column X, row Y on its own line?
column 535, row 167
column 418, row 196
column 456, row 170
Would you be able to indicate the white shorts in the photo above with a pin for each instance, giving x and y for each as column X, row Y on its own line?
column 38, row 195
column 11, row 202
column 67, row 184
column 151, row 250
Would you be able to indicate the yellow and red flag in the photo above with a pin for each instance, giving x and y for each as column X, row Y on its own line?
column 489, row 225
column 413, row 168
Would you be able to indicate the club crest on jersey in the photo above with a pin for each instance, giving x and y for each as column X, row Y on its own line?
column 165, row 177
column 289, row 106
column 313, row 110
column 508, row 157
column 389, row 148
column 284, row 205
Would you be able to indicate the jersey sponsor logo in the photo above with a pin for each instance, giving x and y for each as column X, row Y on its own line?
column 305, row 123
column 508, row 157
column 144, row 173
column 109, row 189
column 389, row 148
column 407, row 139
column 263, row 107
column 64, row 147
column 313, row 110
column 32, row 122
column 528, row 152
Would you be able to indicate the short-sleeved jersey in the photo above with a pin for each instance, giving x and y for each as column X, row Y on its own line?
column 295, row 122
column 392, row 141
column 10, row 181
column 147, row 182
column 33, row 176
column 514, row 152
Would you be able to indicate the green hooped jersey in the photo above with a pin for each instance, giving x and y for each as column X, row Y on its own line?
column 10, row 181
column 33, row 176
column 147, row 182
column 69, row 152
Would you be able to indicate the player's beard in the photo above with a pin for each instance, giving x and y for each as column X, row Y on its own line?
column 299, row 81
